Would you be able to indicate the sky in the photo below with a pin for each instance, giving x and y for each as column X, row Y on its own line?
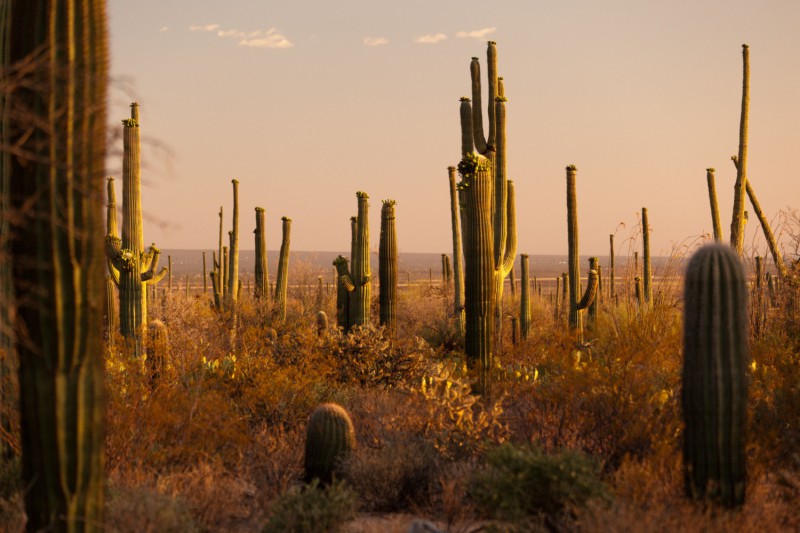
column 309, row 101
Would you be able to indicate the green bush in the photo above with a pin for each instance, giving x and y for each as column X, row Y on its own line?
column 311, row 509
column 521, row 483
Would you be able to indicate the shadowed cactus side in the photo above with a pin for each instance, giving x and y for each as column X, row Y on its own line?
column 647, row 271
column 387, row 268
column 282, row 280
column 330, row 439
column 714, row 394
column 458, row 262
column 343, row 287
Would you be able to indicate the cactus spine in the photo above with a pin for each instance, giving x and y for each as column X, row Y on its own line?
column 136, row 267
column 739, row 189
column 646, row 268
column 261, row 290
column 282, row 280
column 458, row 266
column 330, row 439
column 490, row 240
column 712, row 197
column 714, row 397
column 387, row 257
column 233, row 267
column 54, row 185
column 525, row 299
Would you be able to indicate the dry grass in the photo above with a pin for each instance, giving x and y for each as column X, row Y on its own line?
column 219, row 438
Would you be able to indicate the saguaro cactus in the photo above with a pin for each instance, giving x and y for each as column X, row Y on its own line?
column 715, row 360
column 135, row 266
column 261, row 273
column 357, row 282
column 282, row 280
column 458, row 264
column 330, row 438
column 490, row 240
column 612, row 289
column 738, row 218
column 525, row 299
column 573, row 263
column 387, row 268
column 55, row 118
column 157, row 350
column 646, row 268
column 232, row 293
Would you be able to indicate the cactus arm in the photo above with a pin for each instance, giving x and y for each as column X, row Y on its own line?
column 510, row 253
column 344, row 276
column 160, row 275
column 491, row 73
column 478, row 137
column 153, row 256
column 500, row 189
column 712, row 198
column 647, row 270
column 458, row 266
column 738, row 220
column 114, row 252
column 465, row 114
column 282, row 278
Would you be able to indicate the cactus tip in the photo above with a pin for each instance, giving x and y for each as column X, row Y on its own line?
column 286, row 219
column 491, row 43
column 572, row 167
column 710, row 169
column 464, row 99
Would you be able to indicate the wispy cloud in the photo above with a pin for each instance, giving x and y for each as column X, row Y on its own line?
column 204, row 27
column 270, row 38
column 430, row 39
column 476, row 34
column 375, row 41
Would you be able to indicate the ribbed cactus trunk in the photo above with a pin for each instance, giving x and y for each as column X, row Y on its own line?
column 205, row 274
column 525, row 299
column 612, row 289
column 344, row 286
column 712, row 199
column 221, row 262
column 594, row 265
column 387, row 268
column 739, row 189
column 646, row 266
column 330, row 439
column 261, row 289
column 573, row 260
column 714, row 393
column 232, row 293
column 282, row 280
column 360, row 267
column 55, row 186
column 458, row 264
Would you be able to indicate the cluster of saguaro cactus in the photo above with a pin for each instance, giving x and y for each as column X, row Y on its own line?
column 330, row 439
column 225, row 274
column 282, row 278
column 131, row 266
column 387, row 268
column 54, row 185
column 489, row 220
column 354, row 286
column 714, row 393
column 261, row 286
column 574, row 274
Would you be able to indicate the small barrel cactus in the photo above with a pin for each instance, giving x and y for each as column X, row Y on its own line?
column 322, row 323
column 330, row 439
column 715, row 360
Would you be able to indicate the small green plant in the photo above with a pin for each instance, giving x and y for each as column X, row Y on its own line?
column 523, row 483
column 311, row 509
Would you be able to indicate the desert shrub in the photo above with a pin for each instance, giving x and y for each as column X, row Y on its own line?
column 520, row 484
column 396, row 476
column 145, row 510
column 311, row 509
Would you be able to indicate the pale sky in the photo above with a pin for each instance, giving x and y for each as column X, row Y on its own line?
column 306, row 102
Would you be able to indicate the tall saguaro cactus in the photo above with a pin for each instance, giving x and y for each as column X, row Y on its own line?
column 490, row 240
column 357, row 282
column 525, row 299
column 261, row 290
column 714, row 394
column 136, row 266
column 56, row 120
column 232, row 291
column 282, row 279
column 573, row 263
column 387, row 268
column 738, row 219
column 646, row 267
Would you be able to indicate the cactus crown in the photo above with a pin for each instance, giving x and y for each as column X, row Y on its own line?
column 389, row 203
column 260, row 209
column 499, row 98
column 362, row 194
column 710, row 169
column 464, row 99
column 130, row 122
column 572, row 167
column 286, row 219
column 472, row 163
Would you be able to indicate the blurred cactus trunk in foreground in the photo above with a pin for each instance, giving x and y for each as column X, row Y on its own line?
column 55, row 61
